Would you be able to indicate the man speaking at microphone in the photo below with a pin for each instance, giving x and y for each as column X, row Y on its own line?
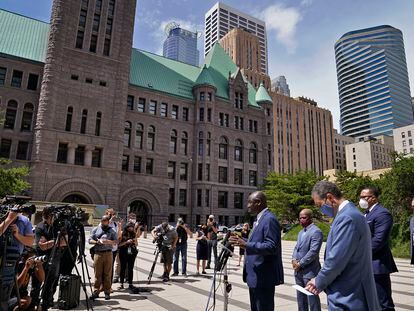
column 263, row 268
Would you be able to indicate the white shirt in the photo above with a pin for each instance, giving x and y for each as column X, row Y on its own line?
column 372, row 207
column 342, row 205
column 260, row 215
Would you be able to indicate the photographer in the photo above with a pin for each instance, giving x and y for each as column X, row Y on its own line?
column 29, row 267
column 103, row 237
column 168, row 237
column 182, row 232
column 127, row 253
column 46, row 234
column 15, row 232
column 212, row 229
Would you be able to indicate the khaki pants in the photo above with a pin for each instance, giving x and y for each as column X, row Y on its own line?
column 103, row 271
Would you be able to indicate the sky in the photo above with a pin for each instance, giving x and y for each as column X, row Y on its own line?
column 301, row 33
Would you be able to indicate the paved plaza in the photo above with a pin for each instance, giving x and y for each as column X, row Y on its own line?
column 192, row 293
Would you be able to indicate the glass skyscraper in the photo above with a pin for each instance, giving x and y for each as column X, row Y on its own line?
column 181, row 45
column 374, row 91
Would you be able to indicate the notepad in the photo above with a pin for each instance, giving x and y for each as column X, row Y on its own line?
column 302, row 290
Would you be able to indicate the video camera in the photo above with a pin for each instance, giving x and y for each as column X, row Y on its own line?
column 16, row 204
column 67, row 214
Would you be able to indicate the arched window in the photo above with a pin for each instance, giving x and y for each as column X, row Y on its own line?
column 27, row 118
column 208, row 145
column 127, row 134
column 83, row 121
column 151, row 138
column 223, row 148
column 11, row 113
column 69, row 115
column 173, row 141
column 253, row 153
column 238, row 151
column 200, row 143
column 184, row 143
column 139, row 132
column 98, row 123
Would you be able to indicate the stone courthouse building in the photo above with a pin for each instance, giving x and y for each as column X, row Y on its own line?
column 100, row 122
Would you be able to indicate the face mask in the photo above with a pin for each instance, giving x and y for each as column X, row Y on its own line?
column 363, row 203
column 327, row 210
column 104, row 227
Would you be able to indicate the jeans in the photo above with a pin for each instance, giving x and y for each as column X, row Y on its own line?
column 212, row 247
column 182, row 248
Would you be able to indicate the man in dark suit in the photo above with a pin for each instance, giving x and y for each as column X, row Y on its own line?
column 346, row 275
column 263, row 268
column 305, row 259
column 380, row 223
column 412, row 233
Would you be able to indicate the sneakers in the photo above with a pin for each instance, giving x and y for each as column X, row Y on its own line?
column 166, row 278
column 107, row 296
column 184, row 274
column 175, row 274
column 204, row 272
column 94, row 296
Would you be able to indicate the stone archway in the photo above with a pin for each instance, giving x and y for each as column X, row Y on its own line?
column 142, row 210
column 142, row 201
column 76, row 198
column 75, row 186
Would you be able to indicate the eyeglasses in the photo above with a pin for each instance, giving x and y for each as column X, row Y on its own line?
column 366, row 196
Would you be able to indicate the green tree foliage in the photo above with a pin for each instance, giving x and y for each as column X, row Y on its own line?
column 12, row 178
column 352, row 183
column 288, row 194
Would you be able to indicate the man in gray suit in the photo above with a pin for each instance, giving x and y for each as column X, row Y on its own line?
column 305, row 259
column 346, row 276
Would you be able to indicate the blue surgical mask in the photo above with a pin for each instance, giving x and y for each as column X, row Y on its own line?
column 327, row 210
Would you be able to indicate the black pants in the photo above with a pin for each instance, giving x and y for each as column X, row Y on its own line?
column 127, row 262
column 212, row 248
column 68, row 263
column 383, row 284
column 262, row 299
column 51, row 280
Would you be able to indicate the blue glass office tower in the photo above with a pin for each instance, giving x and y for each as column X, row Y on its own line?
column 181, row 45
column 374, row 91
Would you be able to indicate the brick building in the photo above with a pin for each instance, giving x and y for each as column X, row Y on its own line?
column 100, row 122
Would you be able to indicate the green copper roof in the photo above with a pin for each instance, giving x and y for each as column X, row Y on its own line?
column 27, row 38
column 262, row 96
column 162, row 74
column 23, row 37
column 205, row 77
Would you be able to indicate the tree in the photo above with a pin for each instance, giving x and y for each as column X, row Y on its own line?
column 351, row 184
column 12, row 178
column 288, row 194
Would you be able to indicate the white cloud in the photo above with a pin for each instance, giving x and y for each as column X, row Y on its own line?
column 306, row 2
column 282, row 22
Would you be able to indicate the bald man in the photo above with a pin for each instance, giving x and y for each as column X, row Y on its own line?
column 305, row 259
column 263, row 268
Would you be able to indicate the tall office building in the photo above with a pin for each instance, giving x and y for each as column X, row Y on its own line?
column 244, row 48
column 279, row 85
column 181, row 45
column 374, row 92
column 220, row 19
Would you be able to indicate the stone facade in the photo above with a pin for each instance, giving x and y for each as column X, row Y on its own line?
column 90, row 141
column 303, row 135
column 340, row 142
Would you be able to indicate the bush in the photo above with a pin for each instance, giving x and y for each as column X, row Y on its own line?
column 292, row 234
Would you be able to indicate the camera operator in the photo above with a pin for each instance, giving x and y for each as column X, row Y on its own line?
column 212, row 229
column 15, row 232
column 182, row 232
column 46, row 235
column 76, row 241
column 169, row 239
column 103, row 237
column 29, row 267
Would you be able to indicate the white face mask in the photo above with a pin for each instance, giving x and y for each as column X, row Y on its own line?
column 363, row 203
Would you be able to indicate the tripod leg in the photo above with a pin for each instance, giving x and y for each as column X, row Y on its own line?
column 153, row 267
column 77, row 272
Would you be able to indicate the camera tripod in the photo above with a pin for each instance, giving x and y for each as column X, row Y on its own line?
column 157, row 252
column 61, row 235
